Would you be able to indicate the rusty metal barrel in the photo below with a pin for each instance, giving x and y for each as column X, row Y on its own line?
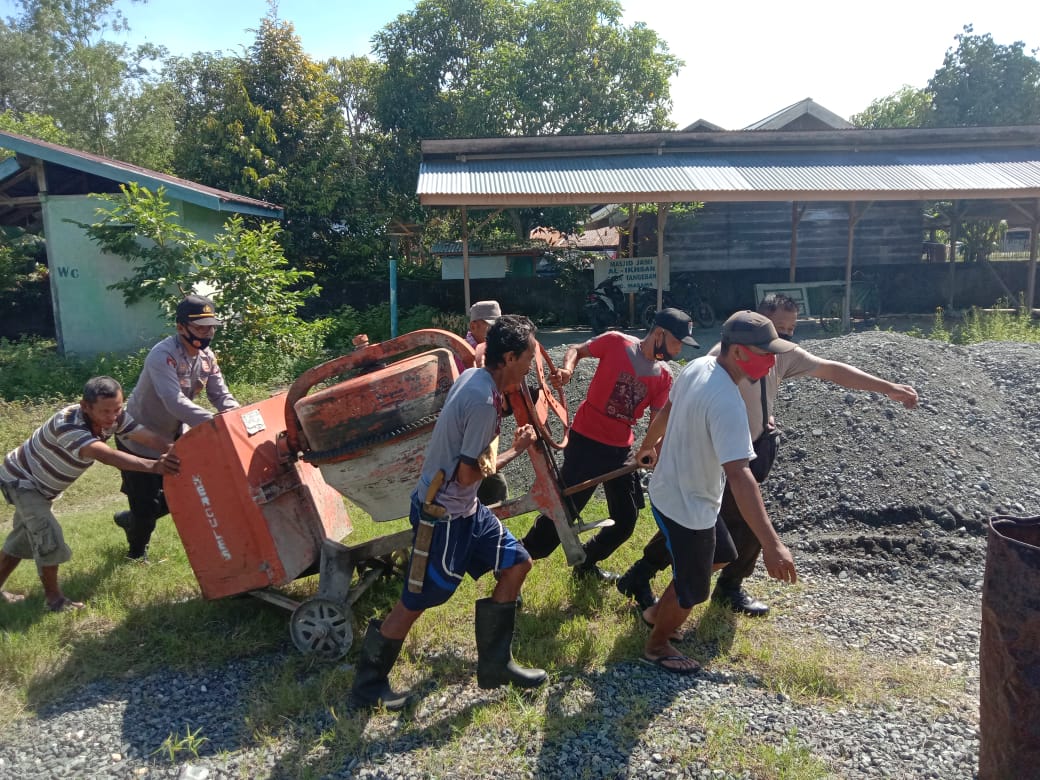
column 1009, row 724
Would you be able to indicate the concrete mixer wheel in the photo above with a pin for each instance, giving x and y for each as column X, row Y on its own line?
column 323, row 628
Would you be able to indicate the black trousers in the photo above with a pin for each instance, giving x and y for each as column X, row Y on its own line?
column 144, row 493
column 584, row 458
column 657, row 557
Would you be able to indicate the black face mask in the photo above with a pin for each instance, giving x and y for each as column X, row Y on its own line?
column 661, row 349
column 195, row 341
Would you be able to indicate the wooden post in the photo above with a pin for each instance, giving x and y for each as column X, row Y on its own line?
column 855, row 214
column 1031, row 273
column 633, row 217
column 954, row 224
column 662, row 217
column 465, row 257
column 796, row 217
column 40, row 173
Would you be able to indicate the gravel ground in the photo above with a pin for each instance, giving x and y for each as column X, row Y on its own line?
column 885, row 512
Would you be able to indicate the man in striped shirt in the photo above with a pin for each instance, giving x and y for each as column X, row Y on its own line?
column 34, row 474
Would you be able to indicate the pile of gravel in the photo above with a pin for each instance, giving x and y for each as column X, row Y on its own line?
column 885, row 511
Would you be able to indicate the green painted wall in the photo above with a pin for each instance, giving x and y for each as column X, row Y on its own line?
column 89, row 318
column 205, row 223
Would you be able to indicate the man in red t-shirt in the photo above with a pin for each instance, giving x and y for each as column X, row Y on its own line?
column 631, row 376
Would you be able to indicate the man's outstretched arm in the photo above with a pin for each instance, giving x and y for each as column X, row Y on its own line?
column 854, row 379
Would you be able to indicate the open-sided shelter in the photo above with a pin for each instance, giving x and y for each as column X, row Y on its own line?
column 984, row 171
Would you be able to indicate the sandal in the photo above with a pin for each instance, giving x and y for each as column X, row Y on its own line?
column 11, row 598
column 663, row 662
column 64, row 604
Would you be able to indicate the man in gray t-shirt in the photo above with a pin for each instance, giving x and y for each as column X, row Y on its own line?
column 467, row 425
column 468, row 539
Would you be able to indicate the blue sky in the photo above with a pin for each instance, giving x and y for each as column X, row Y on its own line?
column 744, row 60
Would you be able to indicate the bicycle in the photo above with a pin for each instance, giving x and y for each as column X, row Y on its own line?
column 864, row 305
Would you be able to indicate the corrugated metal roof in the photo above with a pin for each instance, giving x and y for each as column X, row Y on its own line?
column 116, row 170
column 846, row 165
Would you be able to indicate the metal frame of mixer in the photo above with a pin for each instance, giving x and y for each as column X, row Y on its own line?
column 322, row 625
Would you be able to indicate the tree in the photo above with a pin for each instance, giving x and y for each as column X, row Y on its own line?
column 906, row 107
column 370, row 201
column 984, row 83
column 578, row 70
column 23, row 255
column 270, row 125
column 56, row 62
column 509, row 67
column 471, row 68
column 22, row 258
column 210, row 118
column 143, row 129
column 981, row 237
column 37, row 126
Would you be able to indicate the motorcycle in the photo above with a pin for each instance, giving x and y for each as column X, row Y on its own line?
column 688, row 301
column 605, row 305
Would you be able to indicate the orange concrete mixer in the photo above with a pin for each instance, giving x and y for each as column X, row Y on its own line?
column 259, row 502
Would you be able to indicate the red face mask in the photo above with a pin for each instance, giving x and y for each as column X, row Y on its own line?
column 756, row 366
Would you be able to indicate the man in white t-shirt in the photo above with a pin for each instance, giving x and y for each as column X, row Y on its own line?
column 707, row 445
column 759, row 400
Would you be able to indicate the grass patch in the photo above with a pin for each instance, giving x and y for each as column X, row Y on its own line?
column 145, row 619
column 729, row 745
column 1001, row 323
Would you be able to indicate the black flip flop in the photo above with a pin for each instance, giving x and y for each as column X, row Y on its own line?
column 660, row 664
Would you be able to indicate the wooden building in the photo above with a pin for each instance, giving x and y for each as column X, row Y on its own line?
column 756, row 235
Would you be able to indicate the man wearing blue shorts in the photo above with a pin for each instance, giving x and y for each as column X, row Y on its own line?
column 707, row 446
column 469, row 539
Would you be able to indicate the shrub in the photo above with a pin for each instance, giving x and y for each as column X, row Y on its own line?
column 452, row 322
column 253, row 361
column 999, row 324
column 32, row 369
column 374, row 321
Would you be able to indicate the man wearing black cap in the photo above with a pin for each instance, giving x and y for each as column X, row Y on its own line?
column 175, row 371
column 706, row 446
column 632, row 375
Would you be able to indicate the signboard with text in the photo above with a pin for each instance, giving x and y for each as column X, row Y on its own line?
column 635, row 272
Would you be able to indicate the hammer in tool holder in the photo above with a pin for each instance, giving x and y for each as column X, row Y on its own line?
column 429, row 515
